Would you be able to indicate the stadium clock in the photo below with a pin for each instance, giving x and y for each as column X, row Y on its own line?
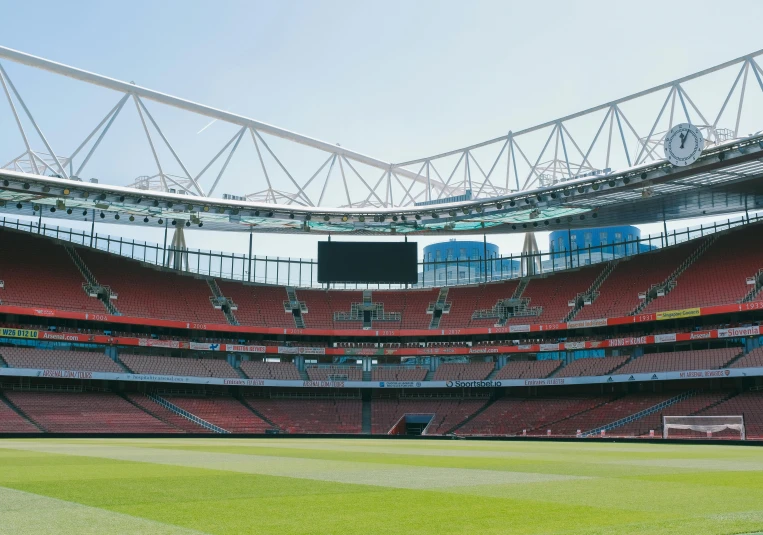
column 683, row 144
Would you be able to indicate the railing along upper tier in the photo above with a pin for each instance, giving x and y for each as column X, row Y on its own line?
column 302, row 273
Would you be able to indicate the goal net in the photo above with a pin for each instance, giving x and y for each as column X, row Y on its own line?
column 729, row 427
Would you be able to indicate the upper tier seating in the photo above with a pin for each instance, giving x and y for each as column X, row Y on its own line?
column 528, row 369
column 554, row 292
column 39, row 273
column 513, row 416
column 259, row 305
column 592, row 366
column 473, row 371
column 12, row 422
column 718, row 276
column 415, row 313
column 152, row 293
column 28, row 357
column 707, row 359
column 227, row 413
column 753, row 359
column 447, row 412
column 279, row 371
column 150, row 364
column 334, row 373
column 618, row 294
column 86, row 412
column 398, row 373
column 311, row 416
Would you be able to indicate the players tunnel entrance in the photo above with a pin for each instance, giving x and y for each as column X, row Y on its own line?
column 412, row 424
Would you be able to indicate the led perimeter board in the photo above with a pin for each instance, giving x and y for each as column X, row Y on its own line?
column 368, row 262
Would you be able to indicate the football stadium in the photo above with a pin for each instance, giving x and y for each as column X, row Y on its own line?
column 210, row 324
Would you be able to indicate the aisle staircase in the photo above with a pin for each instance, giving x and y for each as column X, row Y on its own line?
column 296, row 307
column 92, row 288
column 669, row 283
column 222, row 303
column 438, row 308
column 592, row 292
column 637, row 416
column 185, row 414
column 755, row 290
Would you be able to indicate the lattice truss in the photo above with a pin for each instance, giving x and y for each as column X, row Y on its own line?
column 153, row 141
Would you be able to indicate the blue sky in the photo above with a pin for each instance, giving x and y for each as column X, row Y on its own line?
column 396, row 80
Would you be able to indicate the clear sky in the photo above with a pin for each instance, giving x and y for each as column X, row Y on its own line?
column 394, row 79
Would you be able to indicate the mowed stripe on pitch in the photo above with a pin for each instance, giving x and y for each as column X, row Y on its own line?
column 24, row 513
column 394, row 476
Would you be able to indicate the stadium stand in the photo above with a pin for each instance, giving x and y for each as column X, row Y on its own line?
column 447, row 412
column 528, row 369
column 653, row 422
column 150, row 364
column 280, row 371
column 53, row 283
column 473, row 371
column 719, row 275
column 707, row 359
column 398, row 373
column 747, row 404
column 152, row 293
column 592, row 366
column 318, row 416
column 618, row 294
column 227, row 413
column 28, row 357
column 553, row 292
column 12, row 422
column 753, row 359
column 607, row 413
column 514, row 416
column 334, row 373
column 86, row 412
column 159, row 411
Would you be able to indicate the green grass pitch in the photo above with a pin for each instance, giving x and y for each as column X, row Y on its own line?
column 301, row 486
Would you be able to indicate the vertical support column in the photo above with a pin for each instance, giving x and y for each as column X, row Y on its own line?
column 92, row 229
column 484, row 257
column 569, row 244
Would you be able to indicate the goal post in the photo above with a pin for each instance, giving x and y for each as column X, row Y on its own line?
column 707, row 425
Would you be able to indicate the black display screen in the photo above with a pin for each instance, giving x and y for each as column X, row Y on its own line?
column 368, row 262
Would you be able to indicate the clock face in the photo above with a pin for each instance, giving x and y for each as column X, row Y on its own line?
column 683, row 144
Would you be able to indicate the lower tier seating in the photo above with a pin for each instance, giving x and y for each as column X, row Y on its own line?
column 516, row 416
column 227, row 413
column 159, row 411
column 447, row 412
column 12, row 422
column 747, row 404
column 318, row 416
column 653, row 422
column 86, row 412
